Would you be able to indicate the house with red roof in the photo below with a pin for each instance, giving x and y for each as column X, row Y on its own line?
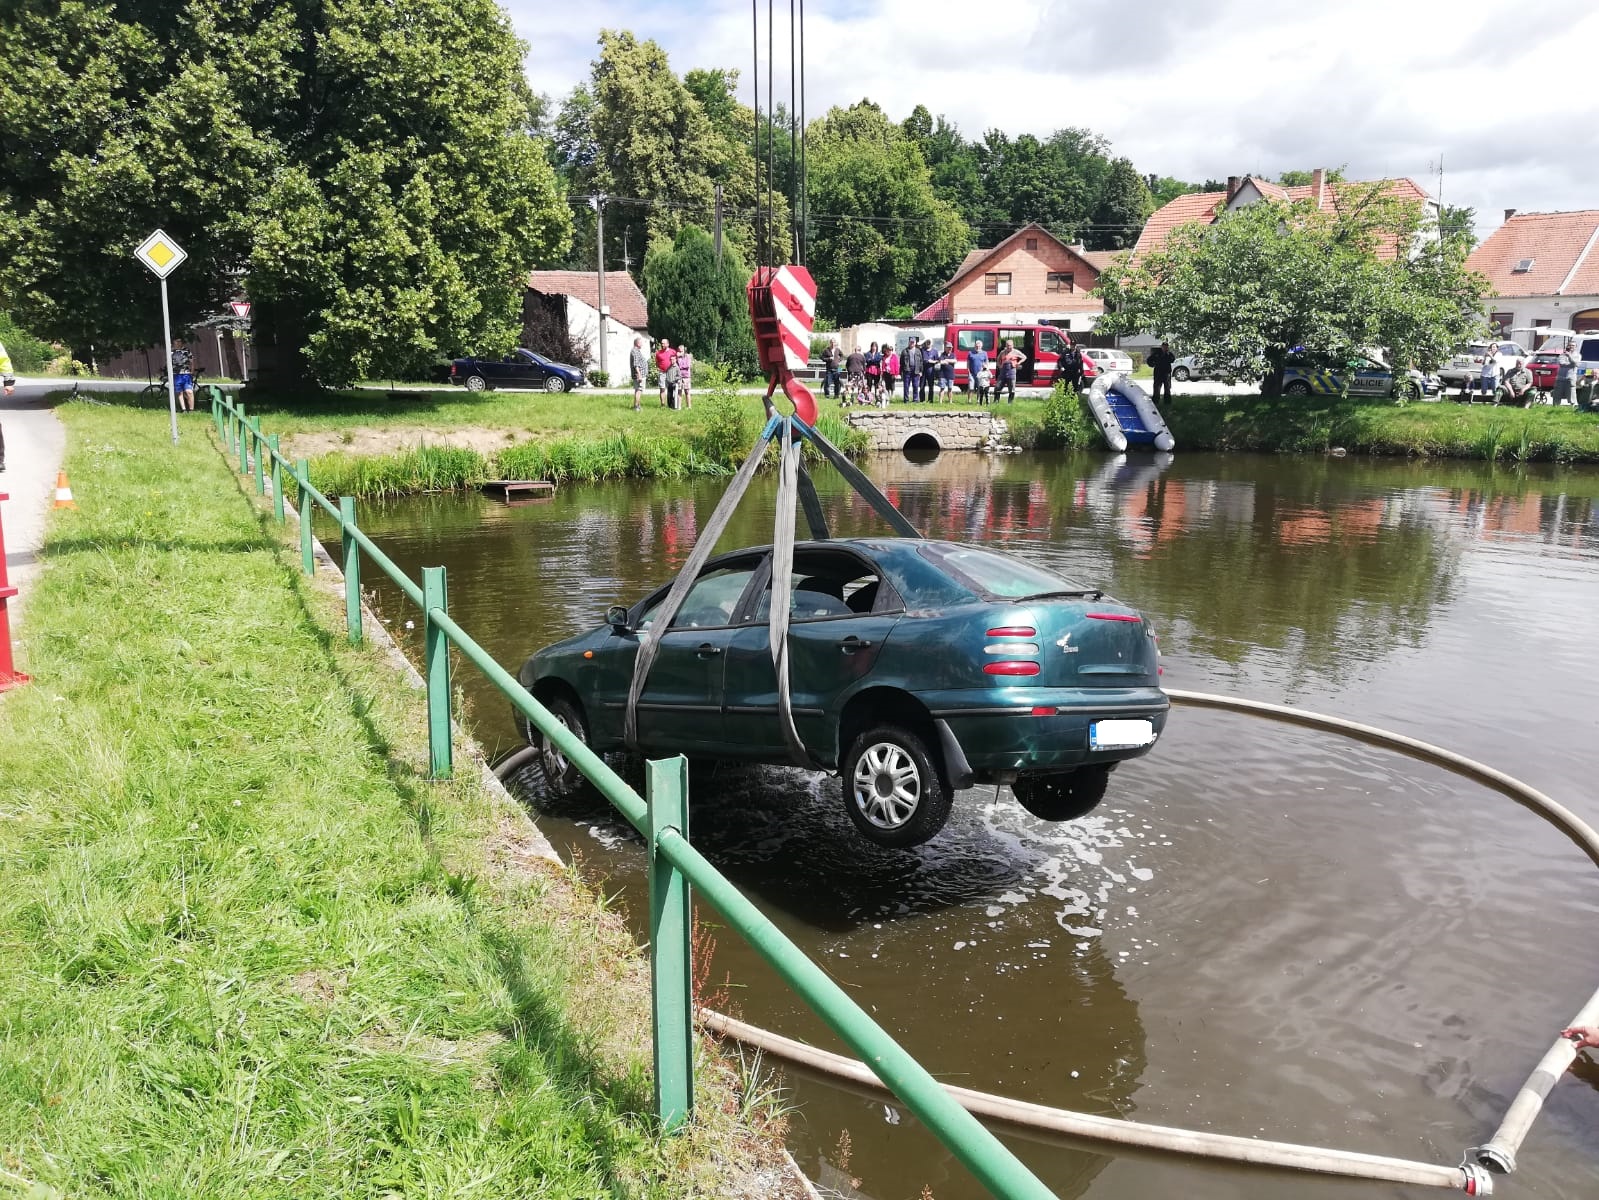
column 1244, row 190
column 1542, row 271
column 1032, row 278
column 574, row 297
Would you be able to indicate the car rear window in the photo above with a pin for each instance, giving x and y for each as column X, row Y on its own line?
column 1590, row 350
column 997, row 575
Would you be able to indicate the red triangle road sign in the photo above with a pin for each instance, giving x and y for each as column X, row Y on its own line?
column 241, row 308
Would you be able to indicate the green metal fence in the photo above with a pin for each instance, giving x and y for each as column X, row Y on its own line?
column 661, row 816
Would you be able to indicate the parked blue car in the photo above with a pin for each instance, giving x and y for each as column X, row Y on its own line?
column 917, row 668
column 519, row 369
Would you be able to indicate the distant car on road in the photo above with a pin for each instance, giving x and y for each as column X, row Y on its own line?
column 1116, row 362
column 1190, row 366
column 519, row 369
column 1464, row 369
column 917, row 668
column 1366, row 377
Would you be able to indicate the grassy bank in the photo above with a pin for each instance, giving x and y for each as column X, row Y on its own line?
column 250, row 950
column 1445, row 429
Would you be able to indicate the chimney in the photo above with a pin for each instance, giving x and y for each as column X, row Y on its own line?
column 1318, row 185
column 1509, row 212
column 1232, row 186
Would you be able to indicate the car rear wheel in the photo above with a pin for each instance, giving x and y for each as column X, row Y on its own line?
column 1297, row 388
column 1062, row 795
column 476, row 383
column 555, row 384
column 563, row 776
column 1180, row 374
column 893, row 790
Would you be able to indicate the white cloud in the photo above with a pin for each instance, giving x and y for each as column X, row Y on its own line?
column 1192, row 88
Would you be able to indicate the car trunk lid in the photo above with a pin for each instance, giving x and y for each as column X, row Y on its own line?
column 1094, row 643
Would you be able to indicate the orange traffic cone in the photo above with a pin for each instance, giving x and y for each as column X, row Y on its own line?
column 64, row 492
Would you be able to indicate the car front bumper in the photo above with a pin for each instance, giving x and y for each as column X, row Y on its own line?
column 1043, row 729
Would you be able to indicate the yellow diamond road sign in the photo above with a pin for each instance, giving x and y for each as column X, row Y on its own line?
column 160, row 253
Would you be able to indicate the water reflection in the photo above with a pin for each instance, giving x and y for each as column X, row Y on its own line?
column 1263, row 931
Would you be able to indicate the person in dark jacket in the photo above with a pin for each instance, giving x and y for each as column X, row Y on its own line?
column 832, row 365
column 1069, row 370
column 911, row 367
column 1160, row 361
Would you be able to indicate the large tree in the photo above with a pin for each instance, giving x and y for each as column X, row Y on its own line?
column 1123, row 205
column 695, row 301
column 366, row 172
column 1272, row 279
column 879, row 226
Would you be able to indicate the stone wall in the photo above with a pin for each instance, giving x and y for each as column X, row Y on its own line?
column 894, row 428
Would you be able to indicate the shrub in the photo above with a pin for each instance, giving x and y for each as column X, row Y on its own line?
column 819, row 346
column 600, row 378
column 727, row 432
column 29, row 355
column 1066, row 423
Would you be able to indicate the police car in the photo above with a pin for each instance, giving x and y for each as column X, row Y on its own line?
column 1366, row 378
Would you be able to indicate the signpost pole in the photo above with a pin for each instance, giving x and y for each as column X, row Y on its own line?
column 166, row 350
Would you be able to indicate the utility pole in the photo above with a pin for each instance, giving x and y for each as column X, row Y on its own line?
column 716, row 235
column 598, row 201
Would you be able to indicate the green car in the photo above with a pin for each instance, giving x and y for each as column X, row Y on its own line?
column 917, row 668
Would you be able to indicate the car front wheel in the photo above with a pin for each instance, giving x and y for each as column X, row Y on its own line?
column 1180, row 374
column 555, row 384
column 893, row 790
column 1297, row 388
column 476, row 383
column 563, row 776
column 1062, row 795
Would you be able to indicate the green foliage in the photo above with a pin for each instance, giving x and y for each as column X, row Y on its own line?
column 728, row 423
column 694, row 302
column 1120, row 210
column 888, row 226
column 1270, row 277
column 29, row 355
column 1067, row 423
column 1306, row 178
column 599, row 378
column 369, row 166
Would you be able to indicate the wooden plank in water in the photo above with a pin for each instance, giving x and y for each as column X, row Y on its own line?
column 510, row 490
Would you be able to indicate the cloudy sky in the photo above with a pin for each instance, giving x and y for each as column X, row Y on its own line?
column 1502, row 94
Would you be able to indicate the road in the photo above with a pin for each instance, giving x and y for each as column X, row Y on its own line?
column 35, row 442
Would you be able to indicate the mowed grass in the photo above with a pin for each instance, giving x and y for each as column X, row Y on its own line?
column 249, row 950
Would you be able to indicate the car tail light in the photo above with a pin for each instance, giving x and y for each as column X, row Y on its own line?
column 1113, row 617
column 1013, row 631
column 1043, row 711
column 1010, row 668
column 454, row 369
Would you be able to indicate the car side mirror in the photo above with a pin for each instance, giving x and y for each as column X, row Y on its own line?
column 616, row 618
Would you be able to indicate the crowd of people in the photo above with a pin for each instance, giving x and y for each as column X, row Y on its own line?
column 923, row 372
column 674, row 371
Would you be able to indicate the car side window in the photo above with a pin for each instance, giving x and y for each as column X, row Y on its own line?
column 966, row 339
column 711, row 603
column 826, row 585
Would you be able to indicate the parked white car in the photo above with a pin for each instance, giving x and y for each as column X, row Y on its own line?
column 1114, row 362
column 1465, row 368
column 1191, row 366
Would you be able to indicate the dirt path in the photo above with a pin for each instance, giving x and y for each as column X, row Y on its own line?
column 369, row 440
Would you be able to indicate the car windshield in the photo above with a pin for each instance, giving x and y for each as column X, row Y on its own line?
column 999, row 575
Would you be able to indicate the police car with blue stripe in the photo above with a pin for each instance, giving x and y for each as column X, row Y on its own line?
column 1367, row 377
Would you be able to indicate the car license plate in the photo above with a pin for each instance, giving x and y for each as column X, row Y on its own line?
column 1113, row 735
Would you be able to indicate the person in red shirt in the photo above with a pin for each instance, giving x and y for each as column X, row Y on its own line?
column 666, row 366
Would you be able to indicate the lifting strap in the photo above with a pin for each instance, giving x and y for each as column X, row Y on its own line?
column 795, row 489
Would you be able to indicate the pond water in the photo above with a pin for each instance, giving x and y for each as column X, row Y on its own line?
column 1264, row 930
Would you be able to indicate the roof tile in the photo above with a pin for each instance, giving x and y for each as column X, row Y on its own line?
column 1555, row 242
column 621, row 293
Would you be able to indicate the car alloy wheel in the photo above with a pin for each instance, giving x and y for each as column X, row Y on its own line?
column 1297, row 388
column 563, row 776
column 893, row 790
column 476, row 383
column 1180, row 374
column 555, row 384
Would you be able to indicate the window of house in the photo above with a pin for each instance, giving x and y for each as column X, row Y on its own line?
column 1032, row 243
column 1061, row 281
column 996, row 283
column 1524, row 264
column 1502, row 321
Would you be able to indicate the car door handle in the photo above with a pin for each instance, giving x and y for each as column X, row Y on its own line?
column 852, row 643
column 707, row 650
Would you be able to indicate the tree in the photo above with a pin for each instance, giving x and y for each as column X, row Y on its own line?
column 1124, row 204
column 1167, row 189
column 1273, row 279
column 367, row 173
column 883, row 227
column 1306, row 178
column 695, row 302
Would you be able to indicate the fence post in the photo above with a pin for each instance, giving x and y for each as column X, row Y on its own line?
column 435, row 594
column 215, row 395
column 259, row 443
column 277, row 478
column 302, row 476
column 671, row 946
column 352, row 568
column 244, row 437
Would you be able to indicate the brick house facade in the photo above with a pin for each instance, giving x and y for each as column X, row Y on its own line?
column 1031, row 277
